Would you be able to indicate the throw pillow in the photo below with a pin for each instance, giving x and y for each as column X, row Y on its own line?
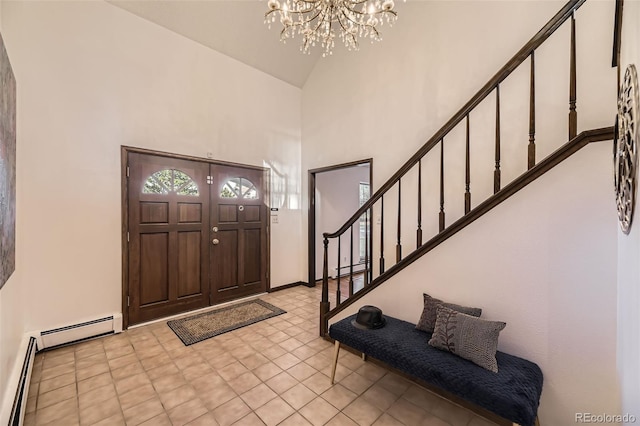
column 468, row 337
column 428, row 318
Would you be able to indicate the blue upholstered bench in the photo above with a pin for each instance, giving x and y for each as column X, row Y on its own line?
column 512, row 394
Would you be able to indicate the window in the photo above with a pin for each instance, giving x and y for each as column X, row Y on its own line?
column 239, row 188
column 365, row 193
column 169, row 180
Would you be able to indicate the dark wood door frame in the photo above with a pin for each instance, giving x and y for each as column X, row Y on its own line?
column 311, row 223
column 124, row 151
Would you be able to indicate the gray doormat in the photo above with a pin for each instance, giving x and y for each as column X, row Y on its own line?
column 203, row 326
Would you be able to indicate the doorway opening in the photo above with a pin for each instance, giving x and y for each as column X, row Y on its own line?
column 335, row 193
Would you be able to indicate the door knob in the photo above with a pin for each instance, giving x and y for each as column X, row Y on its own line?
column 214, row 229
column 215, row 241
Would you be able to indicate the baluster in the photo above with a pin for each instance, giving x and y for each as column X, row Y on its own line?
column 496, row 173
column 617, row 37
column 370, row 242
column 398, row 244
column 382, row 235
column 366, row 248
column 467, row 175
column 573, row 115
column 531, row 157
column 324, row 303
column 441, row 215
column 351, row 262
column 419, row 232
column 338, row 299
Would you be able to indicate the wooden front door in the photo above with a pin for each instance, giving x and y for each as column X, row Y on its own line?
column 239, row 233
column 197, row 235
column 168, row 236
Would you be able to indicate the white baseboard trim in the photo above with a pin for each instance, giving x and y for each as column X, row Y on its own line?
column 14, row 403
column 197, row 311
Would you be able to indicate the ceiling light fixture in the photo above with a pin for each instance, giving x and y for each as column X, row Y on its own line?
column 317, row 21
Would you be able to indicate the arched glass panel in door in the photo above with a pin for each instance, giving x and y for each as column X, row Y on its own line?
column 169, row 180
column 239, row 188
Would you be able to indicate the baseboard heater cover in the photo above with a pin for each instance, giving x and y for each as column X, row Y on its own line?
column 346, row 270
column 287, row 286
column 20, row 402
column 70, row 334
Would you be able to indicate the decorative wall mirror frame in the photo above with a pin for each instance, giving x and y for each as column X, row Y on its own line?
column 625, row 155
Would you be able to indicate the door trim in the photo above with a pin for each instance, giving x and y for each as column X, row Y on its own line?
column 188, row 157
column 124, row 152
column 311, row 222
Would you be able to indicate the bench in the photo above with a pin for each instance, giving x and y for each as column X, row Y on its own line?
column 512, row 394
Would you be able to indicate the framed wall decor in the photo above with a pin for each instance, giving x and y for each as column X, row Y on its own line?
column 626, row 148
column 7, row 167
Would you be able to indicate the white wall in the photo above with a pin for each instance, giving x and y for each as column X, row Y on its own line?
column 92, row 77
column 337, row 198
column 14, row 315
column 12, row 299
column 629, row 253
column 389, row 98
column 544, row 262
column 12, row 328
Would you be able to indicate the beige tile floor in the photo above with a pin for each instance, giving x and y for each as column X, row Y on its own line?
column 271, row 373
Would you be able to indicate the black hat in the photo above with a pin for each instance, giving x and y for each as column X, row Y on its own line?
column 369, row 317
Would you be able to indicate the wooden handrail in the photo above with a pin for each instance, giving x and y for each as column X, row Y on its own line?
column 534, row 170
column 546, row 31
column 561, row 154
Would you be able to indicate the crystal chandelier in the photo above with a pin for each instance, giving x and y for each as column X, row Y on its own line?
column 317, row 21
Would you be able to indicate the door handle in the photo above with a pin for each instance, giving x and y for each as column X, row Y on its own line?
column 214, row 229
column 215, row 241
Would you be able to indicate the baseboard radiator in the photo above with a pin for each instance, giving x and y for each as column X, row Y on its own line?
column 75, row 333
column 20, row 401
column 346, row 270
column 13, row 414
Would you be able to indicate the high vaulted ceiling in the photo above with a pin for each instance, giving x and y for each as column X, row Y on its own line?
column 235, row 28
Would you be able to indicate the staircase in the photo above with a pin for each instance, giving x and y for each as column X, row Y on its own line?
column 411, row 175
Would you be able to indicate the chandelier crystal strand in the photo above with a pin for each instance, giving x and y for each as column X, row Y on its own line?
column 318, row 21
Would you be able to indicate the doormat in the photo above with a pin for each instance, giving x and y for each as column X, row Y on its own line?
column 203, row 326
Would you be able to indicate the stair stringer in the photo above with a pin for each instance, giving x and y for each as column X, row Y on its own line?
column 544, row 261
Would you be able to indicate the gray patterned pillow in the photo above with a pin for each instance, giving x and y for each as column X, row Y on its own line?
column 468, row 337
column 428, row 318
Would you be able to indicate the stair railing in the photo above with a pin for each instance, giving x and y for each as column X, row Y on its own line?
column 438, row 140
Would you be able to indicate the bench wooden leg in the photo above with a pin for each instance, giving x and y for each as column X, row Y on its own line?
column 336, row 352
column 537, row 423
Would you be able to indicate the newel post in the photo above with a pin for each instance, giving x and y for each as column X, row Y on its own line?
column 324, row 303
